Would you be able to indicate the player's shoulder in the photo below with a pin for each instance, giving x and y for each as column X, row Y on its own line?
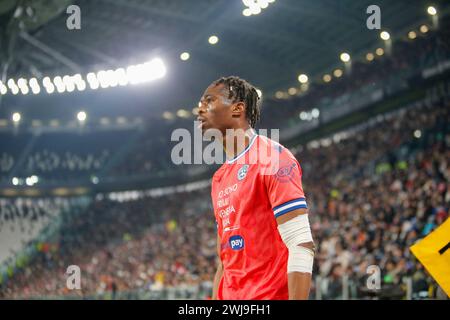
column 276, row 148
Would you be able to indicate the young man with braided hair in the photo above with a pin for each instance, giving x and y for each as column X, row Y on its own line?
column 264, row 240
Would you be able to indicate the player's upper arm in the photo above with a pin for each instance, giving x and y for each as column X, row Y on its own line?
column 284, row 187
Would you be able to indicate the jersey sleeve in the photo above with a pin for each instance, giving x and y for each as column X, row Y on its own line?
column 283, row 182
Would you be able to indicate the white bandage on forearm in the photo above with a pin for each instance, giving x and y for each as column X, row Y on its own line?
column 293, row 233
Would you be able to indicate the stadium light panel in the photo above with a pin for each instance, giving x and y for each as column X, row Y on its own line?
column 303, row 78
column 384, row 35
column 292, row 91
column 213, row 40
column 50, row 88
column 303, row 115
column 326, row 78
column 263, row 4
column 345, row 57
column 412, row 35
column 185, row 56
column 431, row 11
column 15, row 181
column 16, row 117
column 417, row 134
column 255, row 9
column 379, row 51
column 81, row 116
column 337, row 73
column 424, row 28
column 247, row 12
column 3, row 89
column 315, row 113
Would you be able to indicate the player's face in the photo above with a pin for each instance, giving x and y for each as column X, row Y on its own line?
column 215, row 109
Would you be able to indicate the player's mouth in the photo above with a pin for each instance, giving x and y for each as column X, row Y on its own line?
column 202, row 122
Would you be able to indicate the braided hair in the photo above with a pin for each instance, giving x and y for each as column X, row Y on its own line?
column 242, row 91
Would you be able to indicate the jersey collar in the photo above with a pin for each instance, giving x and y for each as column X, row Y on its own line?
column 230, row 161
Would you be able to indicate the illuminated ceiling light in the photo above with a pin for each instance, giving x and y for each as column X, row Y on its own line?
column 337, row 73
column 315, row 113
column 81, row 85
column 3, row 89
column 379, row 51
column 254, row 9
column 168, row 115
column 182, row 113
column 36, row 123
column 24, row 90
column 92, row 80
column 279, row 95
column 81, row 116
column 213, row 39
column 50, row 88
column 292, row 91
column 412, row 35
column 58, row 81
column 146, row 72
column 21, row 83
column 47, row 82
column 15, row 181
column 61, row 89
column 417, row 134
column 54, row 123
column 34, row 179
column 424, row 28
column 303, row 115
column 247, row 12
column 385, row 35
column 34, row 85
column 16, row 117
column 259, row 92
column 370, row 56
column 263, row 4
column 121, row 75
column 303, row 78
column 28, row 181
column 326, row 78
column 185, row 56
column 431, row 11
column 345, row 57
column 36, row 90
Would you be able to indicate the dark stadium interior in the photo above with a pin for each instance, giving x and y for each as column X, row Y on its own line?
column 373, row 141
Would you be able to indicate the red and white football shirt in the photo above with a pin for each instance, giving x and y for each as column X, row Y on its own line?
column 248, row 194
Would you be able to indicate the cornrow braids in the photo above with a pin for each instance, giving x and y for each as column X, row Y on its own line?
column 242, row 91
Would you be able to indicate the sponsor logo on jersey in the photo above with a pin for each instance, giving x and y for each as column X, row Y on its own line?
column 242, row 172
column 236, row 242
column 285, row 173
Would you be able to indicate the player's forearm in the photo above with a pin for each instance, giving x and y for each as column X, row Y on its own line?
column 299, row 284
column 217, row 278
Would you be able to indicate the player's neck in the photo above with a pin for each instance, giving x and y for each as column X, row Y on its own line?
column 237, row 140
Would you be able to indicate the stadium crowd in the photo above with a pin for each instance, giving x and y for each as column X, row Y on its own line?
column 371, row 196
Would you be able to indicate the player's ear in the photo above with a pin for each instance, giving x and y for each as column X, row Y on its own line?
column 237, row 109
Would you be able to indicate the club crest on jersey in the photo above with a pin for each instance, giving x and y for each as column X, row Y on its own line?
column 242, row 172
column 236, row 242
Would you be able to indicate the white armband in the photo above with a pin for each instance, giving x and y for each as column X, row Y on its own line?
column 293, row 233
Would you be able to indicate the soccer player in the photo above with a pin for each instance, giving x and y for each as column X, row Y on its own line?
column 264, row 240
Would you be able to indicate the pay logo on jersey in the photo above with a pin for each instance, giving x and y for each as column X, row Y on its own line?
column 236, row 242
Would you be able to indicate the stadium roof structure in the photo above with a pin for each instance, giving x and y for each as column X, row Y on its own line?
column 270, row 49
